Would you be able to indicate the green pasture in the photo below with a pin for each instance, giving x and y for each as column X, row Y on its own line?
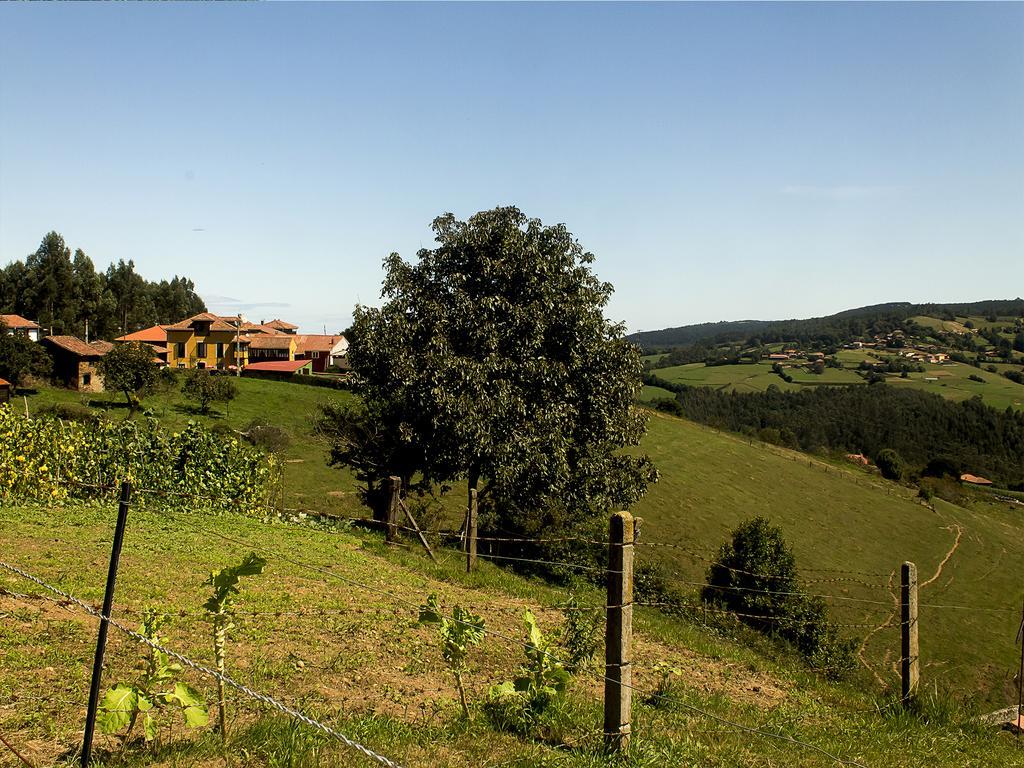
column 953, row 383
column 754, row 377
column 838, row 518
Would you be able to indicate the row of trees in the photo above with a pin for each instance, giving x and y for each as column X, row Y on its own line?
column 491, row 363
column 920, row 426
column 65, row 292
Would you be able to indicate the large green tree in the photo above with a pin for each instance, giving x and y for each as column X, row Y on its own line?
column 131, row 369
column 21, row 357
column 494, row 362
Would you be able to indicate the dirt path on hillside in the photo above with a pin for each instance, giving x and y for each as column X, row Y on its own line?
column 952, row 551
column 887, row 623
column 894, row 594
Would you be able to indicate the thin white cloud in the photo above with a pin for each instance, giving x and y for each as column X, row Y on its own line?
column 228, row 302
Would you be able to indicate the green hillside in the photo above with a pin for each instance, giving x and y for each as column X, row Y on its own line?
column 334, row 625
column 842, row 518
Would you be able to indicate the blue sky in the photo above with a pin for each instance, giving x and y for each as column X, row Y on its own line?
column 723, row 161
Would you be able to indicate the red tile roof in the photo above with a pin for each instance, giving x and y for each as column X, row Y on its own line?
column 101, row 346
column 263, row 341
column 288, row 366
column 217, row 323
column 281, row 325
column 18, row 322
column 156, row 334
column 315, row 343
column 74, row 346
column 4, row 383
column 974, row 479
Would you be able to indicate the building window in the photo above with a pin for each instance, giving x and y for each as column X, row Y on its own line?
column 86, row 379
column 181, row 364
column 201, row 364
column 220, row 349
column 179, row 349
column 201, row 349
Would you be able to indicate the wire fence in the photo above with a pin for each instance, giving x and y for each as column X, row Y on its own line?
column 402, row 605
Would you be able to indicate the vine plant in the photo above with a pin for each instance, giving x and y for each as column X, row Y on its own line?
column 220, row 606
column 458, row 633
column 155, row 690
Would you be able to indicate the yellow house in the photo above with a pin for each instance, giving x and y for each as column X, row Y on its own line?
column 207, row 341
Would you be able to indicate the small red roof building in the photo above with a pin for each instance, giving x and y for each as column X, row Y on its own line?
column 974, row 479
column 156, row 334
column 281, row 366
column 18, row 323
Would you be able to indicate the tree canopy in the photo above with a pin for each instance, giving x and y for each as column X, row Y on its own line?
column 492, row 361
column 130, row 369
column 63, row 293
column 21, row 357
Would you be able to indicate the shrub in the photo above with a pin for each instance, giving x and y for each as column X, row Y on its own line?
column 268, row 437
column 518, row 705
column 890, row 465
column 667, row 405
column 580, row 635
column 755, row 576
column 976, row 377
column 68, row 412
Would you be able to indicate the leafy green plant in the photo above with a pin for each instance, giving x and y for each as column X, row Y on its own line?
column 580, row 635
column 755, row 576
column 518, row 704
column 37, row 454
column 458, row 633
column 156, row 689
column 221, row 609
column 667, row 679
column 129, row 368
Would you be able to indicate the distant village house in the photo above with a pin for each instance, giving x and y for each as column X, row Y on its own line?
column 74, row 362
column 18, row 324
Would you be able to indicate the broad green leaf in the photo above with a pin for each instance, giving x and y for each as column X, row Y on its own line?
column 149, row 727
column 116, row 708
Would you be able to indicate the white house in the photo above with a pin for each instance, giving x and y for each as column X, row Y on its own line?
column 18, row 324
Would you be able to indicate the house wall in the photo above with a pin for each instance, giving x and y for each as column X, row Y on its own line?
column 191, row 341
column 87, row 377
column 5, row 393
column 259, row 355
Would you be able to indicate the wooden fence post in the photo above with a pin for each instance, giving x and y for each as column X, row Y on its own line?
column 618, row 654
column 394, row 498
column 910, row 659
column 471, row 532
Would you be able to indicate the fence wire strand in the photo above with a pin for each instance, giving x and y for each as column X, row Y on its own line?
column 256, row 695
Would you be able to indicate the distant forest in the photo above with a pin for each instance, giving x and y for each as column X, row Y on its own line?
column 62, row 293
column 819, row 331
column 923, row 428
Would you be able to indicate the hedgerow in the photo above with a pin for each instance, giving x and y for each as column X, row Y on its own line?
column 48, row 459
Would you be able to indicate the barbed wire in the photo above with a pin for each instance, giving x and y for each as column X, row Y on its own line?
column 518, row 642
column 710, row 560
column 256, row 695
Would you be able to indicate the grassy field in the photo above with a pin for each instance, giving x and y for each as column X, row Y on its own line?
column 952, row 381
column 330, row 627
column 844, row 518
column 738, row 378
column 648, row 393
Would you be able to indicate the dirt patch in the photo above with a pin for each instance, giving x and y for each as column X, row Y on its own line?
column 709, row 676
